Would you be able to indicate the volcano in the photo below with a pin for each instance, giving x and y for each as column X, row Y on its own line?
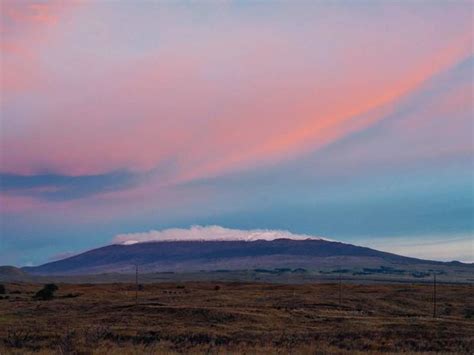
column 205, row 255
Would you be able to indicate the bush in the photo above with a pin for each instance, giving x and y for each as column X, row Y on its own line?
column 67, row 343
column 469, row 313
column 2, row 289
column 46, row 293
column 18, row 338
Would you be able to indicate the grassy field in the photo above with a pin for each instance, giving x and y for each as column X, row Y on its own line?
column 212, row 317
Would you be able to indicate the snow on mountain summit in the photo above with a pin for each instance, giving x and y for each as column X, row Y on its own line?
column 208, row 233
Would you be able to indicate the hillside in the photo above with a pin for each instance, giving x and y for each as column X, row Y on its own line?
column 8, row 272
column 192, row 256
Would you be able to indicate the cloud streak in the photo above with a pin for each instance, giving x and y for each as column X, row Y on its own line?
column 53, row 187
column 460, row 248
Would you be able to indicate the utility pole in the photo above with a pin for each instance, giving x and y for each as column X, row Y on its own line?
column 434, row 295
column 136, row 284
column 340, row 288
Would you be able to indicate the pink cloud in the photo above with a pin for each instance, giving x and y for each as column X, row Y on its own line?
column 26, row 27
column 15, row 204
column 222, row 103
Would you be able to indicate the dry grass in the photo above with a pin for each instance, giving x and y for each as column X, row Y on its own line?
column 236, row 318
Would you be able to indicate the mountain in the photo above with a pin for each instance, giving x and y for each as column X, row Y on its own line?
column 190, row 256
column 8, row 272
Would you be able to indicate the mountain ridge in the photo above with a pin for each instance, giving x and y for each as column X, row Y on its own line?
column 184, row 256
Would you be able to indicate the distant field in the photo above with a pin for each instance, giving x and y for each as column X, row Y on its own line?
column 463, row 273
column 217, row 317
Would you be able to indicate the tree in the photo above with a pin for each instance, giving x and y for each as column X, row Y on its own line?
column 47, row 292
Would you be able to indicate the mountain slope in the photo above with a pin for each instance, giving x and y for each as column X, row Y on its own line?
column 213, row 255
column 11, row 272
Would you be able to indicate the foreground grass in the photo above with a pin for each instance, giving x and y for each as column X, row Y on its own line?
column 239, row 318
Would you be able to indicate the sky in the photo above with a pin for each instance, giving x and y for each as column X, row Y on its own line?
column 348, row 120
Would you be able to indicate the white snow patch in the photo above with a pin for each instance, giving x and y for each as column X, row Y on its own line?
column 208, row 233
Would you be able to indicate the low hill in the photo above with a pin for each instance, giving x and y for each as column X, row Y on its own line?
column 8, row 272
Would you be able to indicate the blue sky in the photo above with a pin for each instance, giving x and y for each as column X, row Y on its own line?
column 348, row 120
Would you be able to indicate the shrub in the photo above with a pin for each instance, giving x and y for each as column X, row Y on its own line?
column 2, row 289
column 67, row 343
column 46, row 293
column 95, row 334
column 18, row 338
column 217, row 287
column 469, row 313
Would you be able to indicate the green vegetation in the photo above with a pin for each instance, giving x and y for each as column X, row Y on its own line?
column 420, row 274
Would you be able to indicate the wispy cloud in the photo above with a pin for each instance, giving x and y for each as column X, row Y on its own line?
column 443, row 248
column 54, row 187
column 221, row 95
